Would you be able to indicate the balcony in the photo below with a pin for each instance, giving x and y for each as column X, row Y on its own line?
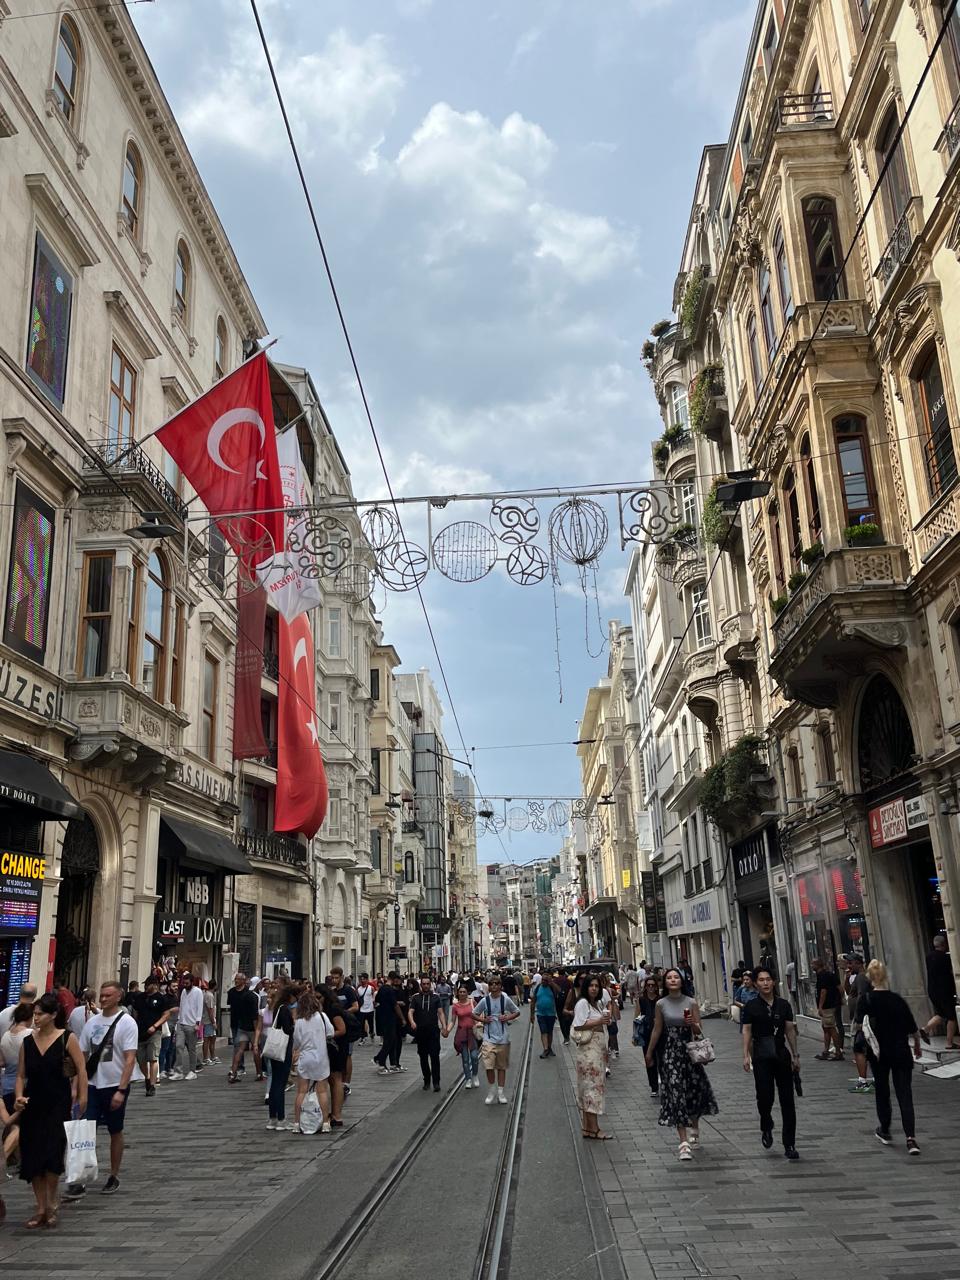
column 853, row 604
column 738, row 639
column 905, row 235
column 121, row 727
column 131, row 463
column 801, row 110
column 948, row 143
column 271, row 666
column 270, row 846
column 690, row 564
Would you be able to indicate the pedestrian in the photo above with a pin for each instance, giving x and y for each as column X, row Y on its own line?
column 829, row 1001
column 613, row 1026
column 743, row 994
column 494, row 1013
column 388, row 1014
column 50, row 1058
column 10, row 1043
column 349, row 1003
column 211, row 1019
column 647, row 997
column 942, row 991
column 770, row 1051
column 855, row 985
column 631, row 985
column 283, row 1001
column 544, row 1007
column 189, row 1028
column 463, row 1023
column 685, row 1092
column 427, row 1022
column 109, row 1044
column 891, row 1024
column 25, row 1000
column 683, row 965
column 151, row 1008
column 336, row 1053
column 525, row 986
column 366, row 993
column 590, row 1021
column 244, row 1009
column 86, row 1008
column 563, row 988
column 510, row 985
column 168, row 1043
column 67, row 1000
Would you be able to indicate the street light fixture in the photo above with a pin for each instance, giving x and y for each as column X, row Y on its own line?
column 741, row 486
column 152, row 526
column 393, row 802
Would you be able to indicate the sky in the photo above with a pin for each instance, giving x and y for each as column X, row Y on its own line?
column 503, row 189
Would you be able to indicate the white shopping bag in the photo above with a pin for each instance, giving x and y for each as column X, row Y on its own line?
column 311, row 1116
column 81, row 1160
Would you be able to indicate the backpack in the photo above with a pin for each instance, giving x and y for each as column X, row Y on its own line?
column 353, row 1025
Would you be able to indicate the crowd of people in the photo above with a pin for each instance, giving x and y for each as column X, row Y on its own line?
column 63, row 1056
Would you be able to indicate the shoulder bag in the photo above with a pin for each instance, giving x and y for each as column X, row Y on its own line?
column 700, row 1051
column 868, row 1032
column 478, row 1027
column 581, row 1036
column 93, row 1062
column 276, row 1044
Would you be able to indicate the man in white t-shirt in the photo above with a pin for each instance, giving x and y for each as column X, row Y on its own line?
column 366, row 994
column 112, row 1036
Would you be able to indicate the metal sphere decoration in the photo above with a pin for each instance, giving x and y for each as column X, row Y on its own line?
column 256, row 545
column 518, row 819
column 527, row 564
column 558, row 815
column 355, row 582
column 402, row 566
column 578, row 531
column 381, row 528
column 465, row 551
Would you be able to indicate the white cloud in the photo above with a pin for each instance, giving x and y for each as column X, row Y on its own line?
column 342, row 95
column 585, row 245
column 526, row 43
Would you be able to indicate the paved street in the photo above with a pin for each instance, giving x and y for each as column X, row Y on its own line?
column 205, row 1184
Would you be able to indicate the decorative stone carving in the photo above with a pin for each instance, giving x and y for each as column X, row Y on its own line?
column 889, row 635
column 918, row 14
column 127, row 712
column 150, row 726
column 88, row 708
column 102, row 519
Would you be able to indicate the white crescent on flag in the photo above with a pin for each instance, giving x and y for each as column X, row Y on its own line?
column 226, row 422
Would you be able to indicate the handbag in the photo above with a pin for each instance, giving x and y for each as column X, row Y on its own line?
column 701, row 1051
column 80, row 1164
column 275, row 1045
column 734, row 1013
column 581, row 1035
column 870, row 1035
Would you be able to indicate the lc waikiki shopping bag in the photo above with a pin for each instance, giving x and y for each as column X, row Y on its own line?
column 81, row 1158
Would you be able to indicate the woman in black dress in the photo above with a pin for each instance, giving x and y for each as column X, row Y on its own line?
column 48, row 1058
column 685, row 1092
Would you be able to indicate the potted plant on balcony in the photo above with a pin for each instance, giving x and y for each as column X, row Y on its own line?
column 703, row 393
column 676, row 434
column 661, row 454
column 779, row 603
column 660, row 328
column 810, row 555
column 648, row 351
column 715, row 520
column 690, row 303
column 729, row 789
column 796, row 581
column 866, row 534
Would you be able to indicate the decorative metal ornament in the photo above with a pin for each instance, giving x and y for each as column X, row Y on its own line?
column 322, row 544
column 649, row 515
column 518, row 819
column 494, row 825
column 578, row 531
column 514, row 522
column 558, row 815
column 578, row 809
column 537, row 821
column 355, row 582
column 527, row 564
column 465, row 551
column 381, row 528
column 402, row 566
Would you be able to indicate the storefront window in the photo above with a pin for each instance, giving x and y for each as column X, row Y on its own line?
column 847, row 894
column 818, row 937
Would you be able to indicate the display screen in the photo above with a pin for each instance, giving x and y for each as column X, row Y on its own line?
column 21, row 883
column 14, row 968
column 48, row 339
column 28, row 584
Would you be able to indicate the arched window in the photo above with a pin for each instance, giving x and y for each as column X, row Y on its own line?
column 810, row 482
column 66, row 74
column 856, row 472
column 754, row 350
column 409, row 869
column 181, row 280
column 885, row 746
column 132, row 199
column 823, row 248
column 766, row 310
column 678, row 405
column 220, row 349
column 776, row 550
column 783, row 274
column 895, row 184
column 792, row 509
column 939, row 454
column 156, row 608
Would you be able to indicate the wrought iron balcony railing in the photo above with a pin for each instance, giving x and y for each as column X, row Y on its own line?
column 270, row 846
column 899, row 244
column 805, row 108
column 271, row 666
column 124, row 458
column 950, row 139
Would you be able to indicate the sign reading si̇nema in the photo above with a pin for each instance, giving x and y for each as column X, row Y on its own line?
column 21, row 883
column 895, row 820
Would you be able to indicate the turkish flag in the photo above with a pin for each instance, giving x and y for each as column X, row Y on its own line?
column 225, row 443
column 301, row 797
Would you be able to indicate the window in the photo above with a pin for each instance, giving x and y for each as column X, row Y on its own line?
column 333, row 815
column 28, row 584
column 211, row 693
column 171, row 473
column 333, row 712
column 355, row 650
column 700, row 613
column 97, row 599
column 409, row 869
column 334, row 632
column 953, row 31
column 48, row 339
column 828, row 766
column 355, row 731
column 856, row 476
column 154, row 629
column 938, row 449
column 375, row 683
column 766, row 310
column 823, row 241
column 375, row 770
column 776, row 548
column 133, row 623
column 813, row 497
column 865, row 6
column 746, row 143
column 66, row 73
column 783, row 274
column 255, row 807
column 181, row 281
column 726, row 217
column 132, row 197
column 216, row 557
column 796, row 779
column 375, row 852
column 220, row 349
column 176, row 656
column 895, row 184
column 770, row 44
column 754, row 351
column 123, row 399
column 792, row 508
column 678, row 405
column 688, row 502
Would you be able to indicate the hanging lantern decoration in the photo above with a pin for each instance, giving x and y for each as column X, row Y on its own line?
column 578, row 531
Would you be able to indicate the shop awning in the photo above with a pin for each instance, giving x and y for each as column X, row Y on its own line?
column 206, row 846
column 26, row 781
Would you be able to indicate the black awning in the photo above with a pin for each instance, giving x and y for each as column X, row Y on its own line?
column 206, row 846
column 25, row 781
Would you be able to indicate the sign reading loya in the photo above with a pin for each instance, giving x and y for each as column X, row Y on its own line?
column 214, row 931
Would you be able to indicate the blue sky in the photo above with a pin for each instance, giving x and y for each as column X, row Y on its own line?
column 503, row 189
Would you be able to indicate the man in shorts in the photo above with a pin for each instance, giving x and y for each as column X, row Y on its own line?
column 829, row 999
column 494, row 1012
column 112, row 1036
column 244, row 1011
column 151, row 1008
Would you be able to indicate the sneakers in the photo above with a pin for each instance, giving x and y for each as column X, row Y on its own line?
column 111, row 1186
column 232, row 1077
column 791, row 1153
column 684, row 1152
column 325, row 1127
column 191, row 1075
column 272, row 1124
column 862, row 1086
column 607, row 1072
column 384, row 1071
column 766, row 1138
column 287, row 1126
column 490, row 1098
column 214, row 1062
column 912, row 1148
column 395, row 1071
column 436, row 1088
column 502, row 1097
column 346, row 1091
column 468, row 1084
column 177, row 1075
column 74, row 1191
column 654, row 1093
column 883, row 1135
column 476, row 1082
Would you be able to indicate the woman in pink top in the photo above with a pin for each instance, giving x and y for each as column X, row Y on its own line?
column 464, row 1040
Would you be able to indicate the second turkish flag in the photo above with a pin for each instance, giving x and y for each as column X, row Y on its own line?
column 302, row 795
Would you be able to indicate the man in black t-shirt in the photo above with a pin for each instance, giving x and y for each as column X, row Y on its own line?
column 387, row 1009
column 770, row 1051
column 151, row 1008
column 510, row 984
column 244, row 1011
column 829, row 1001
column 427, row 1022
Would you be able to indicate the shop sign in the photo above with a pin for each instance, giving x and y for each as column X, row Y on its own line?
column 749, row 857
column 625, row 877
column 196, row 891
column 20, row 688
column 699, row 915
column 214, row 931
column 203, row 780
column 338, row 940
column 894, row 820
column 654, row 903
column 429, row 920
column 397, row 953
column 21, row 883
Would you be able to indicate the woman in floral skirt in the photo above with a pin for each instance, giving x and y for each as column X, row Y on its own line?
column 685, row 1092
column 590, row 1022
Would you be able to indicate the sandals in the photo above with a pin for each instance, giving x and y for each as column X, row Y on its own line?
column 684, row 1151
column 37, row 1220
column 51, row 1220
column 598, row 1137
column 694, row 1138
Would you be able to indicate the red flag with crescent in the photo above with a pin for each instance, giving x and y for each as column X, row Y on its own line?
column 302, row 796
column 225, row 444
